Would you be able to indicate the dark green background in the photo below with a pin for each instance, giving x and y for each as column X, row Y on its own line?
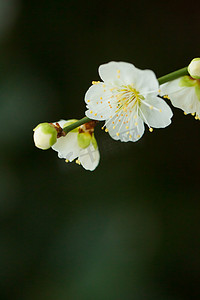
column 130, row 229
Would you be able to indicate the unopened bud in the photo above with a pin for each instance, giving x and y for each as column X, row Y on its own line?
column 194, row 68
column 45, row 136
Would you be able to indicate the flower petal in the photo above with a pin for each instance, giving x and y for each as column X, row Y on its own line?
column 100, row 102
column 184, row 98
column 125, row 127
column 118, row 73
column 89, row 157
column 122, row 73
column 146, row 82
column 155, row 112
column 67, row 146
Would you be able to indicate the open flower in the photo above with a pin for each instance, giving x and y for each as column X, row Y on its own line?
column 184, row 93
column 126, row 99
column 79, row 144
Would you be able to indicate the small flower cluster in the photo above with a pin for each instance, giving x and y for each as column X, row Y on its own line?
column 127, row 98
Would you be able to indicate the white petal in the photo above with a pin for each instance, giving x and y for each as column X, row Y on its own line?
column 67, row 146
column 118, row 73
column 122, row 73
column 155, row 112
column 184, row 98
column 146, row 82
column 63, row 123
column 125, row 127
column 170, row 87
column 100, row 101
column 89, row 157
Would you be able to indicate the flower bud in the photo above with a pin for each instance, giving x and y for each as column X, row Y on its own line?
column 194, row 68
column 45, row 136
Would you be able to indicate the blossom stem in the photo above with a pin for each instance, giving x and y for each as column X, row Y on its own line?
column 173, row 75
column 76, row 124
column 161, row 80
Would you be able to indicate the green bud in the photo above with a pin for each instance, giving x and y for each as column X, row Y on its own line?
column 45, row 136
column 84, row 139
column 194, row 68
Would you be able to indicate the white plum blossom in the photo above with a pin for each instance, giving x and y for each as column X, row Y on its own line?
column 184, row 93
column 79, row 144
column 126, row 99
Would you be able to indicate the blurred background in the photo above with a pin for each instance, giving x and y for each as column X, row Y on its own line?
column 130, row 229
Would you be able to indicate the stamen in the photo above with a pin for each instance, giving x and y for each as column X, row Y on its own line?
column 78, row 162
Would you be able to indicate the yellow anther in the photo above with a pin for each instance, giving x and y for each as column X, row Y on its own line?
column 66, row 160
column 101, row 98
column 118, row 71
column 159, row 91
column 130, row 136
column 104, row 90
column 102, row 128
column 78, row 162
column 196, row 118
column 117, row 133
column 101, row 116
column 135, row 117
column 118, row 76
column 114, row 127
column 166, row 97
column 104, row 85
column 151, row 129
column 151, row 107
column 127, row 127
column 95, row 114
column 193, row 114
column 95, row 82
column 136, row 124
column 88, row 100
column 185, row 113
column 91, row 111
column 112, row 89
column 138, row 136
column 119, row 120
column 160, row 110
column 106, row 130
column 127, row 132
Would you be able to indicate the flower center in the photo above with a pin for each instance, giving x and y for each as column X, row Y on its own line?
column 128, row 97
